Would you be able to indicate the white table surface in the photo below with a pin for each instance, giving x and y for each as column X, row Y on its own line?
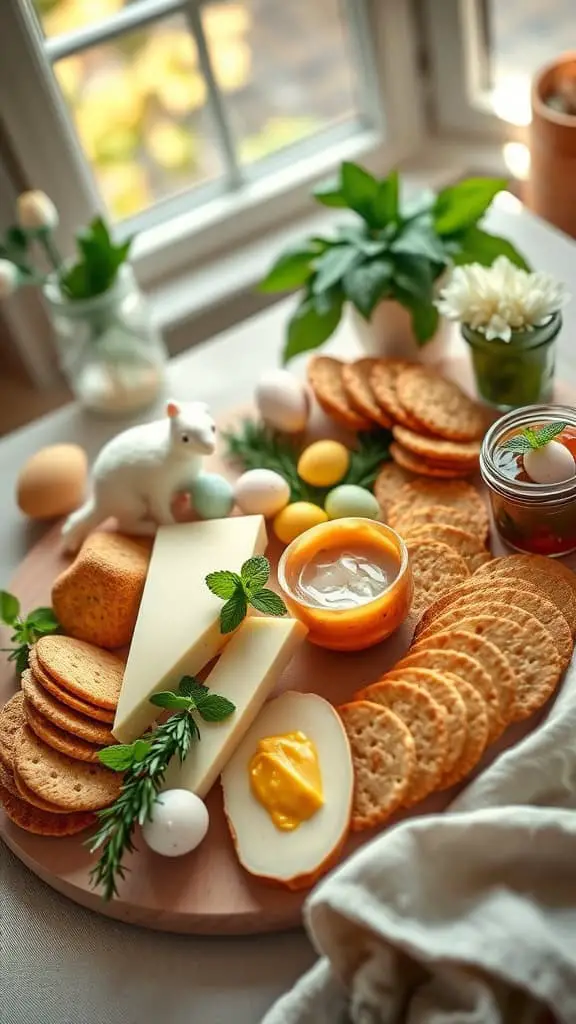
column 61, row 963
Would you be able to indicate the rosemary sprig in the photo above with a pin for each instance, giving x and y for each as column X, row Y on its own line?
column 366, row 459
column 144, row 763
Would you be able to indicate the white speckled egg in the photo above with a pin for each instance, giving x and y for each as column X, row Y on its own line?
column 212, row 496
column 282, row 401
column 351, row 500
column 179, row 823
column 261, row 492
column 549, row 465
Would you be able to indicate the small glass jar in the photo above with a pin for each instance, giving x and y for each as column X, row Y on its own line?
column 360, row 625
column 110, row 353
column 538, row 518
column 514, row 373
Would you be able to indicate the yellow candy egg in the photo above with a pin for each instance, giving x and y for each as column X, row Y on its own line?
column 323, row 463
column 296, row 519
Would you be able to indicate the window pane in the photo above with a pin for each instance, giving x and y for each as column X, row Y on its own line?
column 522, row 37
column 139, row 104
column 60, row 16
column 285, row 69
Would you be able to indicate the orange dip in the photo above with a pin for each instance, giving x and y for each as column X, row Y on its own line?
column 349, row 581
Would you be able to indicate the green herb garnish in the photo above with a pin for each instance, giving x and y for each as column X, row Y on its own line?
column 145, row 762
column 248, row 588
column 99, row 262
column 530, row 439
column 26, row 631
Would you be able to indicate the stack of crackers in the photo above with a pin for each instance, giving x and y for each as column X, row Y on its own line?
column 51, row 732
column 490, row 651
column 437, row 428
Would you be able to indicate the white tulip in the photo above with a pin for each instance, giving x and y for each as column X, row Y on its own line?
column 36, row 211
column 8, row 278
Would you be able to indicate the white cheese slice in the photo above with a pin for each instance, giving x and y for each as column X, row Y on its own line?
column 178, row 627
column 246, row 672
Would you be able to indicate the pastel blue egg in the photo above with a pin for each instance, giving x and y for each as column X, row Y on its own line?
column 212, row 496
column 351, row 500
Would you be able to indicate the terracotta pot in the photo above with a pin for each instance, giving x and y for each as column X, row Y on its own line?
column 551, row 190
column 389, row 335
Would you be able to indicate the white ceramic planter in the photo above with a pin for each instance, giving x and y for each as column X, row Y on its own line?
column 389, row 335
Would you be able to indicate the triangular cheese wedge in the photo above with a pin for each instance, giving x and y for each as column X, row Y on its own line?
column 178, row 627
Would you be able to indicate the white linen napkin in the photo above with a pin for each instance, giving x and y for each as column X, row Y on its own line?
column 465, row 917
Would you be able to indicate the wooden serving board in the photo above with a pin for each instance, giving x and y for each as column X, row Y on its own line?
column 205, row 892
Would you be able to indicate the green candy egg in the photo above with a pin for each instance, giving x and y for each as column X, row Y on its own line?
column 212, row 496
column 351, row 500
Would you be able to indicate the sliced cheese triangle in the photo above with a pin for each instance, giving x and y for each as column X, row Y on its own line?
column 178, row 627
column 246, row 672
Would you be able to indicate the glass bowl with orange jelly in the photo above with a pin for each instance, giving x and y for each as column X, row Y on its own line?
column 350, row 582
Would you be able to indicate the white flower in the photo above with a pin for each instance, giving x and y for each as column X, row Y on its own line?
column 36, row 211
column 500, row 299
column 8, row 278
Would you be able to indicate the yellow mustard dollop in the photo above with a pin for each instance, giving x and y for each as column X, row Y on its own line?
column 285, row 777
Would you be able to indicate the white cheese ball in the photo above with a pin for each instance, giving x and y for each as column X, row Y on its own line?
column 179, row 823
column 551, row 464
column 282, row 401
column 261, row 492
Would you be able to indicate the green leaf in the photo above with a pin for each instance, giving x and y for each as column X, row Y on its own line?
column 359, row 189
column 373, row 449
column 329, row 193
column 17, row 239
column 141, row 749
column 421, row 203
column 21, row 658
column 544, row 435
column 419, row 239
column 255, row 572
column 215, row 708
column 425, row 318
column 9, row 607
column 477, row 246
column 308, row 328
column 366, row 284
column 190, row 687
column 268, row 602
column 518, row 444
column 291, row 270
column 169, row 700
column 119, row 757
column 460, row 206
column 233, row 612
column 385, row 204
column 223, row 583
column 43, row 620
column 332, row 265
column 414, row 275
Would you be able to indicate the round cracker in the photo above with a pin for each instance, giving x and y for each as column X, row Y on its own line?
column 74, row 785
column 409, row 518
column 419, row 466
column 544, row 574
column 88, row 672
column 63, row 696
column 325, row 379
column 356, row 381
column 465, row 543
column 58, row 739
column 435, row 450
column 383, row 755
column 62, row 716
column 383, row 380
column 11, row 721
column 438, row 405
column 42, row 823
column 388, row 482
column 445, row 693
column 477, row 735
column 457, row 494
column 426, row 720
column 463, row 668
column 26, row 794
column 436, row 568
column 7, row 780
column 529, row 651
column 518, row 601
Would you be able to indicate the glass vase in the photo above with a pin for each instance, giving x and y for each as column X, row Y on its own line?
column 109, row 351
column 518, row 372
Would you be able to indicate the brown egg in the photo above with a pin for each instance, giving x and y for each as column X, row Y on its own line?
column 52, row 482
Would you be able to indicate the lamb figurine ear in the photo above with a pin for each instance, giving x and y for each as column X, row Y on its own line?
column 172, row 409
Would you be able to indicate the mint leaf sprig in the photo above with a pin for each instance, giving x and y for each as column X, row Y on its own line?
column 144, row 763
column 248, row 588
column 26, row 631
column 530, row 439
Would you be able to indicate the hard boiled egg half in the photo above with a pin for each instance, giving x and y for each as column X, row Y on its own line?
column 288, row 791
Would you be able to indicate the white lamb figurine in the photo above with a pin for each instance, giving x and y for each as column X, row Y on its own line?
column 136, row 475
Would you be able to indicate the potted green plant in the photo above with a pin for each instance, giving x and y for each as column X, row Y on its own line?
column 110, row 353
column 387, row 259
